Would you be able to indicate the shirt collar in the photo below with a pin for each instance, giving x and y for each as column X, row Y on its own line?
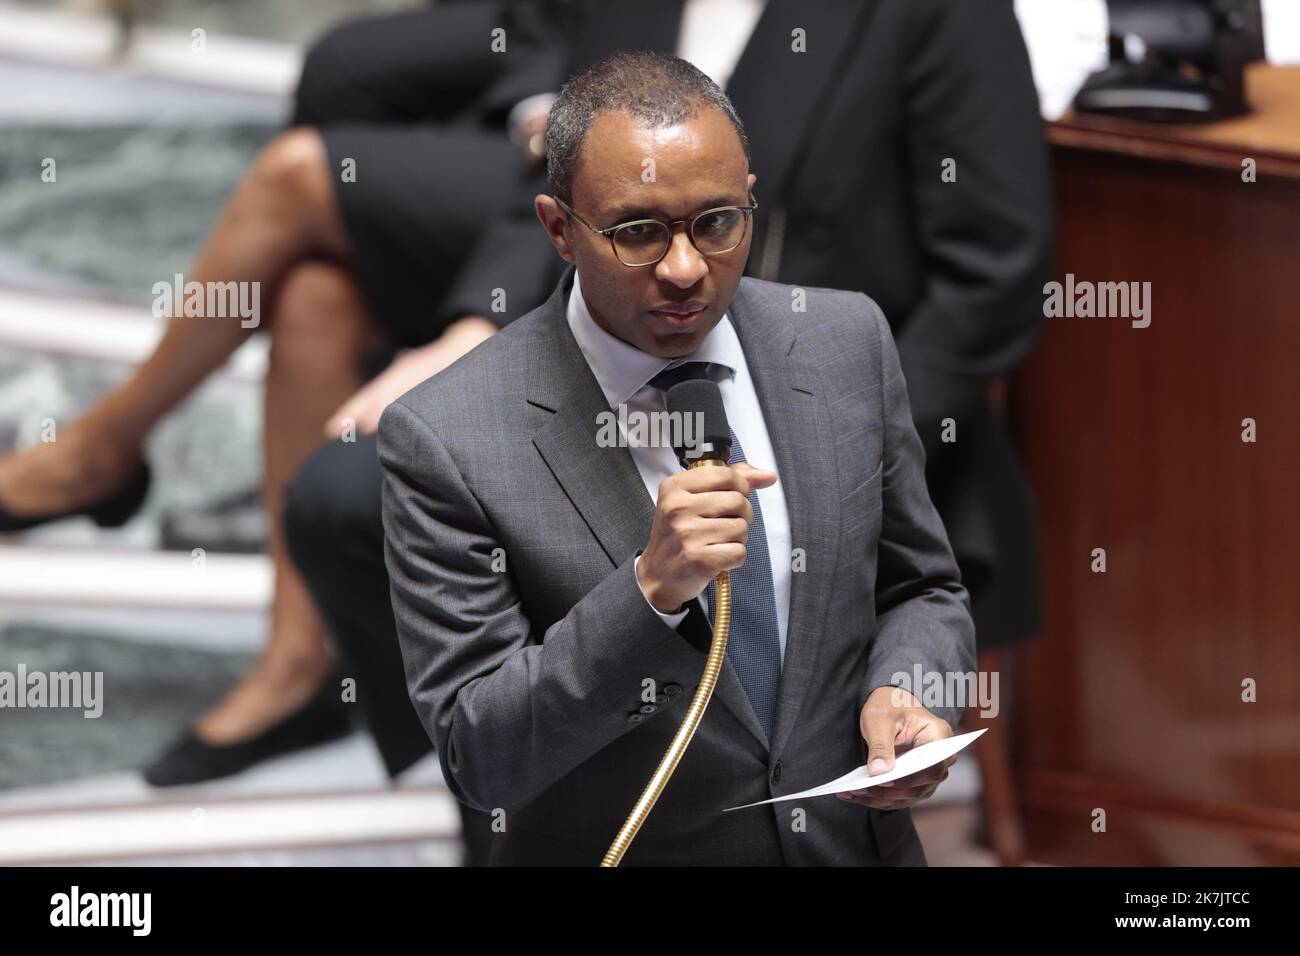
column 622, row 370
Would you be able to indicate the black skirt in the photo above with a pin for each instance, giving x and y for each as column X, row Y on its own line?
column 421, row 198
column 401, row 100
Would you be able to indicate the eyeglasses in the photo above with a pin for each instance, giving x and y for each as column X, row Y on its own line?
column 643, row 242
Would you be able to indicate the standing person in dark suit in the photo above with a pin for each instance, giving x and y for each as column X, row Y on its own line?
column 531, row 673
column 899, row 151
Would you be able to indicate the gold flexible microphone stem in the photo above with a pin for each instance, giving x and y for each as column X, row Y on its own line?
column 703, row 693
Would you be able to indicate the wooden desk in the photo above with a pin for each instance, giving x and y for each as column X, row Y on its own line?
column 1131, row 701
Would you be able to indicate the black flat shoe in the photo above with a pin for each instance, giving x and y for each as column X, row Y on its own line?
column 190, row 760
column 110, row 513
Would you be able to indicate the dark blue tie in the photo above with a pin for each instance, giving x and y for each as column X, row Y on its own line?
column 754, row 647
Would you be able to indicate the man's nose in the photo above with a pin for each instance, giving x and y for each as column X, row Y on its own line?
column 682, row 264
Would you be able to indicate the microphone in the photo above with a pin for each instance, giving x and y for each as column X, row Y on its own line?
column 709, row 445
column 700, row 402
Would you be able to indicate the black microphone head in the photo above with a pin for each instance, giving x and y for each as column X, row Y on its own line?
column 703, row 433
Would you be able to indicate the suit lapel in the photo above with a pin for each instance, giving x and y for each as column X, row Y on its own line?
column 603, row 483
column 797, row 418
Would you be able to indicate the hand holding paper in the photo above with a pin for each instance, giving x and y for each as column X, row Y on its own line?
column 914, row 760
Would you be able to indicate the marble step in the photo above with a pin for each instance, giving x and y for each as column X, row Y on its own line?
column 105, row 331
column 199, row 826
column 99, row 577
column 66, row 37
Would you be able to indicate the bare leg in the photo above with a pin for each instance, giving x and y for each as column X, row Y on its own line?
column 321, row 331
column 282, row 212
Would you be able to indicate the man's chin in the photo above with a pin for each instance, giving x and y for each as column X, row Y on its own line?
column 675, row 344
column 681, row 340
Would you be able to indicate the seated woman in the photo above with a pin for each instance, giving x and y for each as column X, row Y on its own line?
column 354, row 221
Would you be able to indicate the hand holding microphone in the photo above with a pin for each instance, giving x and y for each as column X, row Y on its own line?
column 700, row 526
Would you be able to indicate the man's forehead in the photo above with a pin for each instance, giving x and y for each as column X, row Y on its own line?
column 707, row 127
column 628, row 168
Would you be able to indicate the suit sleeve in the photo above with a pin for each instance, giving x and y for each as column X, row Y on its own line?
column 969, row 96
column 509, row 708
column 922, row 610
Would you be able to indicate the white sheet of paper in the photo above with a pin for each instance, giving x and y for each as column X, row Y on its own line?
column 918, row 758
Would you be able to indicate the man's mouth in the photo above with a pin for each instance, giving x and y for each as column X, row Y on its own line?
column 679, row 315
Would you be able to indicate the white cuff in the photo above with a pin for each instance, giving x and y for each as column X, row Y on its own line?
column 672, row 620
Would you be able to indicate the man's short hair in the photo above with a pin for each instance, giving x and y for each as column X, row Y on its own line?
column 657, row 89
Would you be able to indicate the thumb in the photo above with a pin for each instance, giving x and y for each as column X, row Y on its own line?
column 879, row 730
column 757, row 477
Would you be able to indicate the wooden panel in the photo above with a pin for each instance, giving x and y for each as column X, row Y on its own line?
column 1149, row 828
column 1132, row 438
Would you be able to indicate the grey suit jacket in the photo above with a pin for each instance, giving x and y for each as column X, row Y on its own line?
column 530, row 649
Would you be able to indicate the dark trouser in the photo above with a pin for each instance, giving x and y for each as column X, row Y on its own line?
column 336, row 539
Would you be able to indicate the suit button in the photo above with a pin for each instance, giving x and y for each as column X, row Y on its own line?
column 635, row 718
column 776, row 772
column 648, row 708
column 661, row 699
column 672, row 690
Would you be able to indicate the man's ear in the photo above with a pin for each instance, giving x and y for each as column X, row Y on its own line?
column 553, row 220
column 750, row 185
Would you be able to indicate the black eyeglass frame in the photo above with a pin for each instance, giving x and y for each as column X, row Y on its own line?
column 747, row 211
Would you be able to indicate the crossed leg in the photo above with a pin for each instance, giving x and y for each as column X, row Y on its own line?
column 321, row 332
column 282, row 214
column 281, row 228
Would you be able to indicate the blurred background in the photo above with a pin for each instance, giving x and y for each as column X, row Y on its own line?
column 1130, row 438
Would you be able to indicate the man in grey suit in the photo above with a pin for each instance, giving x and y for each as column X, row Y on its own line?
column 550, row 586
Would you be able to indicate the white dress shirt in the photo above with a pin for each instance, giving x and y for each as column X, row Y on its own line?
column 714, row 33
column 624, row 372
